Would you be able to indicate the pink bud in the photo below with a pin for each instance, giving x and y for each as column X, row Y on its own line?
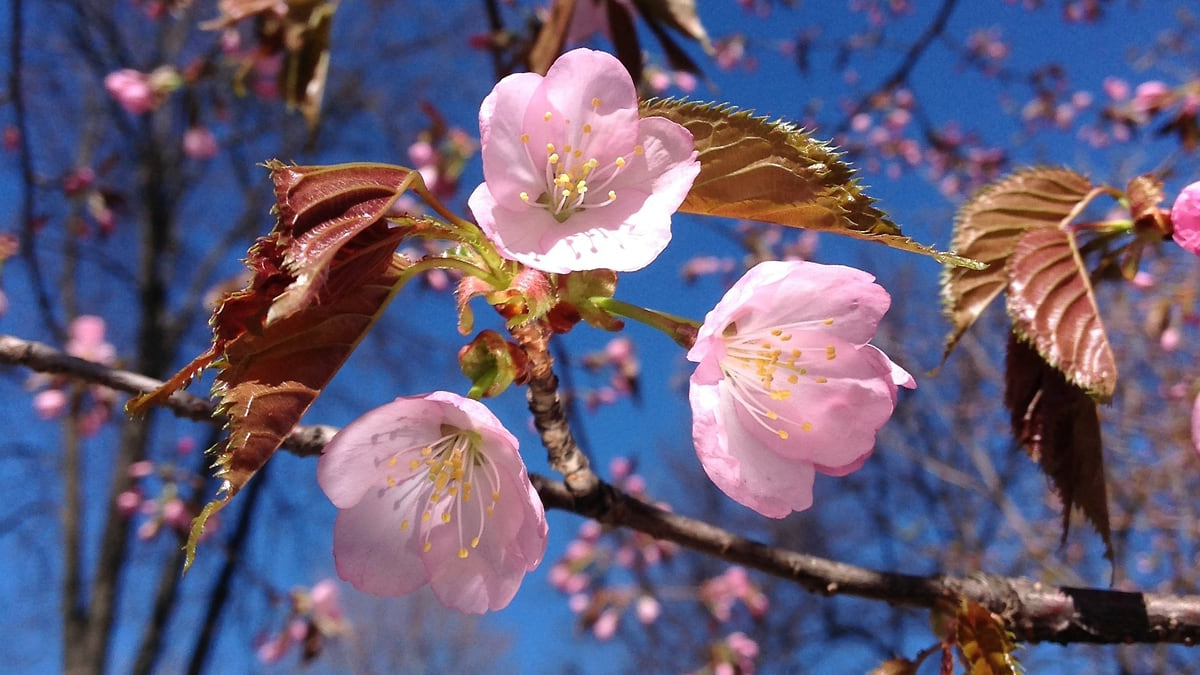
column 1185, row 218
column 141, row 469
column 579, row 602
column 648, row 609
column 421, row 154
column 131, row 89
column 606, row 626
column 50, row 403
column 199, row 143
column 620, row 468
column 175, row 513
column 1170, row 339
column 558, row 576
column 147, row 530
column 1150, row 96
column 128, row 502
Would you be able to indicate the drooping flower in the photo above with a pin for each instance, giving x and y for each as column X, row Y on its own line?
column 1185, row 218
column 573, row 178
column 786, row 383
column 431, row 489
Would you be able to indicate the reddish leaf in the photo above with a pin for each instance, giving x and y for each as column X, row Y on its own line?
column 1052, row 305
column 1058, row 425
column 987, row 230
column 321, row 278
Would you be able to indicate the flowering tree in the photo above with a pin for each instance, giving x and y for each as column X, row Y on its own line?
column 582, row 179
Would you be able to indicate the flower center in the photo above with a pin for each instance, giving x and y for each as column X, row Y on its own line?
column 571, row 181
column 447, row 476
column 765, row 369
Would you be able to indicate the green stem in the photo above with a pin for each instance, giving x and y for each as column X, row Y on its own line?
column 426, row 264
column 681, row 330
column 466, row 231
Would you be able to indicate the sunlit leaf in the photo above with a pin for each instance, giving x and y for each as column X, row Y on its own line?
column 984, row 642
column 987, row 230
column 1058, row 425
column 321, row 278
column 773, row 172
column 1053, row 306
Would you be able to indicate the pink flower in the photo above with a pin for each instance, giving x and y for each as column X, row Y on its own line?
column 786, row 383
column 132, row 90
column 574, row 179
column 199, row 143
column 431, row 489
column 87, row 340
column 1185, row 217
column 1196, row 424
column 50, row 403
column 606, row 625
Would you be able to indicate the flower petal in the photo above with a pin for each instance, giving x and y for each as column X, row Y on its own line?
column 506, row 162
column 739, row 465
column 370, row 548
column 351, row 463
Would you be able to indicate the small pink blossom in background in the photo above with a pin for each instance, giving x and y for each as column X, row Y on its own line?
column 1196, row 424
column 1170, row 339
column 78, row 180
column 1116, row 88
column 606, row 626
column 175, row 513
column 141, row 469
column 431, row 490
column 199, row 143
column 1150, row 97
column 128, row 502
column 787, row 384
column 574, row 179
column 1185, row 218
column 131, row 89
column 1143, row 281
column 327, row 611
column 50, row 403
column 745, row 649
column 647, row 609
column 86, row 341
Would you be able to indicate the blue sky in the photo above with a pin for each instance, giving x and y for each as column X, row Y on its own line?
column 657, row 433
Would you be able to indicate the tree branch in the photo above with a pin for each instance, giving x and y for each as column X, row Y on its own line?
column 1034, row 612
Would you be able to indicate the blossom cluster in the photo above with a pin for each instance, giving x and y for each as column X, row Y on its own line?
column 431, row 490
column 54, row 398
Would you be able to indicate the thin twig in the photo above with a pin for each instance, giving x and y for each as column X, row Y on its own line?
column 1034, row 612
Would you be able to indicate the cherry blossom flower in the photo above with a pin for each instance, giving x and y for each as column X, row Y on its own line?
column 1185, row 218
column 1196, row 424
column 199, row 143
column 431, row 489
column 131, row 89
column 573, row 178
column 786, row 383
